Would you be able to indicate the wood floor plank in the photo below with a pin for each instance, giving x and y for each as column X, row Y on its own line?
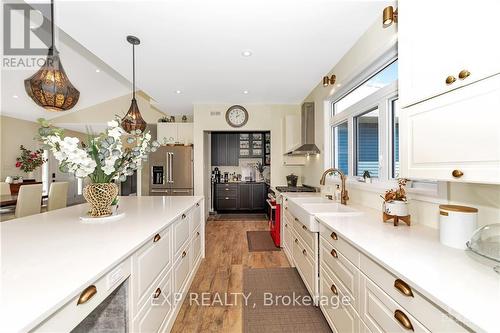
column 222, row 272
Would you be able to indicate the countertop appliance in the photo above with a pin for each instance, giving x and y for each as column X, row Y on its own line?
column 274, row 218
column 171, row 171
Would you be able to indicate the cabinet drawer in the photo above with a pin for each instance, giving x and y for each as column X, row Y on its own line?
column 343, row 269
column 195, row 248
column 227, row 192
column 181, row 272
column 195, row 220
column 342, row 318
column 149, row 261
column 181, row 232
column 424, row 311
column 71, row 314
column 227, row 203
column 158, row 306
column 307, row 237
column 305, row 265
column 340, row 244
column 380, row 312
column 224, row 187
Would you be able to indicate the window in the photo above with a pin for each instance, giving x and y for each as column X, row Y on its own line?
column 379, row 80
column 341, row 156
column 395, row 137
column 367, row 142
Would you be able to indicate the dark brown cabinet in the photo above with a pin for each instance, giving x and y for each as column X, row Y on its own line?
column 225, row 149
column 240, row 196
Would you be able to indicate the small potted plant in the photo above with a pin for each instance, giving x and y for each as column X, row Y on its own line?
column 260, row 169
column 29, row 160
column 395, row 200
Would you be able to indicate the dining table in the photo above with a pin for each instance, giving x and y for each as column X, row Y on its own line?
column 11, row 199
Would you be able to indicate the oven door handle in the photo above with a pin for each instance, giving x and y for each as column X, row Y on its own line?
column 270, row 204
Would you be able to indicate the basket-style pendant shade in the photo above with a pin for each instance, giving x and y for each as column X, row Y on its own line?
column 50, row 87
column 133, row 120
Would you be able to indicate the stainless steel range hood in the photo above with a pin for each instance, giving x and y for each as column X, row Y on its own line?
column 307, row 146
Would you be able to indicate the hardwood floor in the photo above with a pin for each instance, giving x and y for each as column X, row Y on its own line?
column 222, row 272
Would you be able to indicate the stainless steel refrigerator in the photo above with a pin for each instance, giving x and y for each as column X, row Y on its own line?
column 171, row 171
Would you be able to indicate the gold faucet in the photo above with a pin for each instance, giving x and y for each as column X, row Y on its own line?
column 343, row 192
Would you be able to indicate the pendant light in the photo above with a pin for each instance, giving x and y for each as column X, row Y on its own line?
column 50, row 87
column 133, row 120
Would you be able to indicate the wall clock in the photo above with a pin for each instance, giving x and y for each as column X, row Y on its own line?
column 236, row 116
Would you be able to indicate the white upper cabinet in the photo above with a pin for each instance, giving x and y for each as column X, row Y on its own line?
column 455, row 136
column 175, row 133
column 292, row 132
column 445, row 38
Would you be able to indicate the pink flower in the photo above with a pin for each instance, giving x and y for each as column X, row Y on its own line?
column 18, row 164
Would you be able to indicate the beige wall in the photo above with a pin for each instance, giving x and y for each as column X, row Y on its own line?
column 16, row 132
column 106, row 111
column 261, row 118
column 371, row 46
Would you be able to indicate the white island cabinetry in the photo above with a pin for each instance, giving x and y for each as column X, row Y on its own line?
column 155, row 250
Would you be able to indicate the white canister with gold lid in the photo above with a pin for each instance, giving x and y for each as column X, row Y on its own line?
column 456, row 225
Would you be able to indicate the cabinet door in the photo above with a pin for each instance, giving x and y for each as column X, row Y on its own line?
column 222, row 149
column 258, row 196
column 245, row 197
column 233, row 149
column 215, row 149
column 166, row 133
column 455, row 131
column 430, row 52
column 185, row 133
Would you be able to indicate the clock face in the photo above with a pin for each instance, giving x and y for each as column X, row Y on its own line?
column 236, row 116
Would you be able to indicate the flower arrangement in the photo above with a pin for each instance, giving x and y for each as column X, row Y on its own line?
column 29, row 160
column 110, row 156
column 398, row 194
column 105, row 159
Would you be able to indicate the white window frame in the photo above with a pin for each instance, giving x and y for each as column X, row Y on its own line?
column 381, row 99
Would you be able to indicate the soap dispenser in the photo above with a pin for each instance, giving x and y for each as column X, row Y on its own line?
column 338, row 194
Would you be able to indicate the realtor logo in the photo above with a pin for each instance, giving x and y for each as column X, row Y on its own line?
column 26, row 29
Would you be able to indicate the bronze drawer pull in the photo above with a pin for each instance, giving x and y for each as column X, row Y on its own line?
column 87, row 294
column 403, row 287
column 197, row 233
column 334, row 236
column 457, row 173
column 286, row 208
column 296, row 241
column 183, row 216
column 334, row 253
column 334, row 290
column 304, row 227
column 450, row 79
column 183, row 254
column 403, row 320
column 463, row 74
column 286, row 225
column 157, row 293
column 304, row 252
column 156, row 238
column 197, row 204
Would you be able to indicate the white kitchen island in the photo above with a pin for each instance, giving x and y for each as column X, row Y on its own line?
column 51, row 261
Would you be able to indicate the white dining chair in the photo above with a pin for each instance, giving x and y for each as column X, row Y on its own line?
column 29, row 200
column 4, row 188
column 58, row 195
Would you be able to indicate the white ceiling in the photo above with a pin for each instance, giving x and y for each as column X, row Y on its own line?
column 80, row 66
column 195, row 46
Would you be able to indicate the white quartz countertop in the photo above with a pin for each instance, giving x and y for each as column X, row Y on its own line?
column 47, row 259
column 450, row 278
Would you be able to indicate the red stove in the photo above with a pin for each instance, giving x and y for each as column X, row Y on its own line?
column 274, row 217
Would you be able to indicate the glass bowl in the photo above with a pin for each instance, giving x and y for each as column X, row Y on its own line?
column 486, row 242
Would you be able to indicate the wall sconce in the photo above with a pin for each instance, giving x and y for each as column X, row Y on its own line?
column 329, row 80
column 389, row 16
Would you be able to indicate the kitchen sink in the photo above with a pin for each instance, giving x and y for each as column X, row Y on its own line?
column 304, row 210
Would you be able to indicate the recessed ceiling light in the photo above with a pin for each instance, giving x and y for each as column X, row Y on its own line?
column 178, row 91
column 246, row 53
column 97, row 70
column 15, row 96
column 245, row 92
